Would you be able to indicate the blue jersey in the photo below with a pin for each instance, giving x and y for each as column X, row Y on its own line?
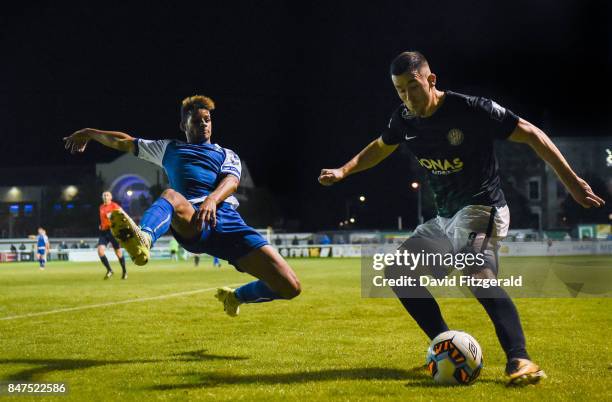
column 41, row 241
column 194, row 170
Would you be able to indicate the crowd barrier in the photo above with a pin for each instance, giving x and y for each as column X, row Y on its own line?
column 559, row 248
column 507, row 249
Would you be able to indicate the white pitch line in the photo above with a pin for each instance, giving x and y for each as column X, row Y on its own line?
column 90, row 306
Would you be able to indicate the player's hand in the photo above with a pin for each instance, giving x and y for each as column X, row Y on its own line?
column 77, row 142
column 584, row 195
column 206, row 217
column 330, row 176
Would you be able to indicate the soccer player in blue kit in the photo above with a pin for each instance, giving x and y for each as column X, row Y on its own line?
column 199, row 207
column 42, row 247
column 452, row 137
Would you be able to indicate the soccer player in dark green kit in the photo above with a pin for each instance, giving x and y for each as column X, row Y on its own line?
column 452, row 137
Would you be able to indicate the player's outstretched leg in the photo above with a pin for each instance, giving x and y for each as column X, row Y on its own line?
column 276, row 281
column 135, row 241
column 170, row 209
column 138, row 240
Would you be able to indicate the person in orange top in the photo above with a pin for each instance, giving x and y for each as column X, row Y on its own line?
column 106, row 236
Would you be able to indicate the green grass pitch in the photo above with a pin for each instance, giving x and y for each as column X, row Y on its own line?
column 329, row 343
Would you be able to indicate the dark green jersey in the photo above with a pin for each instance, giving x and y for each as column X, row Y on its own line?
column 455, row 145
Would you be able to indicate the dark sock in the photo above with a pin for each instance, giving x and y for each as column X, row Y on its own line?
column 418, row 300
column 105, row 262
column 122, row 262
column 421, row 305
column 425, row 310
column 504, row 315
column 256, row 292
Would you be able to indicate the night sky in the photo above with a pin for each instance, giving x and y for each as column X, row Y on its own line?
column 298, row 86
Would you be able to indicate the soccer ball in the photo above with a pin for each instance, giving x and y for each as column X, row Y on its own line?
column 454, row 357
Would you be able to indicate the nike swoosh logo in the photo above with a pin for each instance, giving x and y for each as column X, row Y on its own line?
column 409, row 138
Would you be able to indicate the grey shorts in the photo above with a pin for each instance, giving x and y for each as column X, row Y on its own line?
column 479, row 228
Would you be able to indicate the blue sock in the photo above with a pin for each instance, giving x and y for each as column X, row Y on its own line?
column 256, row 292
column 157, row 219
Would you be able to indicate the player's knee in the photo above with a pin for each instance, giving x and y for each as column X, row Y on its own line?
column 293, row 290
column 171, row 196
column 178, row 202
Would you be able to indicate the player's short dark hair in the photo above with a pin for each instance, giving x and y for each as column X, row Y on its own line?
column 408, row 61
column 196, row 102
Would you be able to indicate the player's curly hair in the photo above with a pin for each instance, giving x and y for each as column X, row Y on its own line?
column 407, row 61
column 196, row 102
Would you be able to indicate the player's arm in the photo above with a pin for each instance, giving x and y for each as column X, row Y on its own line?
column 374, row 153
column 77, row 142
column 207, row 214
column 580, row 190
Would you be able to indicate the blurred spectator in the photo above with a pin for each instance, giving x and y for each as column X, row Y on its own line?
column 277, row 241
column 82, row 244
column 22, row 247
column 63, row 254
column 325, row 239
column 294, row 242
column 13, row 248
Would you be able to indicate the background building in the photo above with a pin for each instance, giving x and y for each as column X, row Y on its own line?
column 65, row 200
column 538, row 187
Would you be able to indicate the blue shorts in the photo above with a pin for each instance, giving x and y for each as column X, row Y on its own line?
column 230, row 240
column 107, row 237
